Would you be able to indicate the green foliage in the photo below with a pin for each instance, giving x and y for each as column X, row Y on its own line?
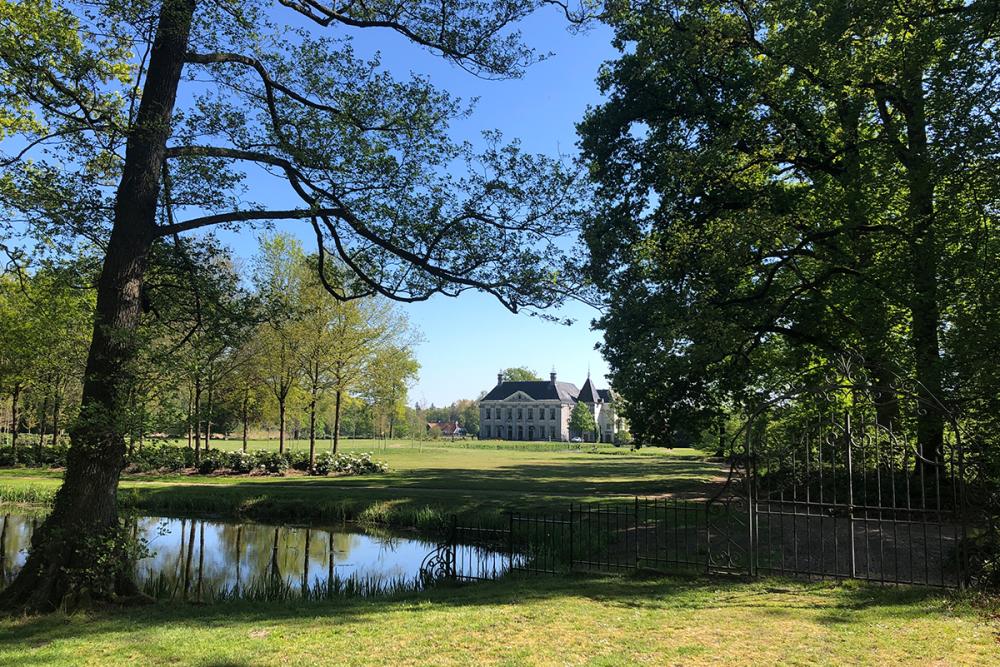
column 519, row 374
column 779, row 186
column 271, row 463
column 581, row 420
column 348, row 464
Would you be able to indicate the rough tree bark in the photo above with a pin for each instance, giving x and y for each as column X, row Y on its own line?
column 81, row 535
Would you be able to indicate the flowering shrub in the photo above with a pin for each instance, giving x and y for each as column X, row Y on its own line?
column 348, row 464
column 240, row 462
column 271, row 463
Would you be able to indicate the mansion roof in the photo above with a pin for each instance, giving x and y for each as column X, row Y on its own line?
column 540, row 390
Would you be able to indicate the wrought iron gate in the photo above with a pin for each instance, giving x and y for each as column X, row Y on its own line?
column 826, row 483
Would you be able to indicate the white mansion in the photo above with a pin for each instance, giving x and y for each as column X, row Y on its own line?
column 540, row 410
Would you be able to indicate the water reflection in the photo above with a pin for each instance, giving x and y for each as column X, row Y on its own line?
column 199, row 559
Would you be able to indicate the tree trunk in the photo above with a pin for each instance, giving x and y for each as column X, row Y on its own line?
column 312, row 429
column 281, row 426
column 246, row 400
column 41, row 427
column 924, row 310
column 76, row 554
column 208, row 421
column 14, row 417
column 190, row 417
column 56, row 409
column 197, row 420
column 336, row 422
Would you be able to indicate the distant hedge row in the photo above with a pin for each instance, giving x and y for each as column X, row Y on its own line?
column 173, row 458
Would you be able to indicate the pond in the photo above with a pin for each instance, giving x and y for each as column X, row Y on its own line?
column 213, row 559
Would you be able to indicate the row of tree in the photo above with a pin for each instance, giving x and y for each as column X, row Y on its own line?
column 217, row 355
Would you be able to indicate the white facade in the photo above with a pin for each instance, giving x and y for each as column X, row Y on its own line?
column 540, row 411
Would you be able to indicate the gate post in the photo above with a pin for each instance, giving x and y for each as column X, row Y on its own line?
column 571, row 537
column 635, row 537
column 750, row 484
column 850, row 491
column 510, row 539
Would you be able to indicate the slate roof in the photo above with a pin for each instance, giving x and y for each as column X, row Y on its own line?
column 587, row 394
column 605, row 395
column 539, row 390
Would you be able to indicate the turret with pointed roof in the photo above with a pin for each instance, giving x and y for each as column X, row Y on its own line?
column 588, row 394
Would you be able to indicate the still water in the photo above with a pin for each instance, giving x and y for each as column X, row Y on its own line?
column 210, row 559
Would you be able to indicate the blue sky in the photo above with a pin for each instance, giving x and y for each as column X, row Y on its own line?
column 470, row 338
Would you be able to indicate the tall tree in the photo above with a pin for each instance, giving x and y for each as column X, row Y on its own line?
column 776, row 184
column 366, row 161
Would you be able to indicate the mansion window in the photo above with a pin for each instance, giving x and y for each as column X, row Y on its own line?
column 487, row 415
column 520, row 413
column 541, row 413
column 487, row 431
column 552, row 433
column 552, row 413
column 510, row 413
column 531, row 414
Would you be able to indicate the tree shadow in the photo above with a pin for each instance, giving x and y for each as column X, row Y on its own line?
column 828, row 603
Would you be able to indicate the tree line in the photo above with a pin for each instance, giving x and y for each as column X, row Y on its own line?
column 220, row 354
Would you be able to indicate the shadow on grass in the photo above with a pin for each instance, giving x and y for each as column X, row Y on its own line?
column 826, row 603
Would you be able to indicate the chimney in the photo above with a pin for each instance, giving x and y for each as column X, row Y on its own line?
column 499, row 378
column 552, row 377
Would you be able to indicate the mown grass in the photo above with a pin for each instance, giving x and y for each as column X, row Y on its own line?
column 424, row 487
column 536, row 621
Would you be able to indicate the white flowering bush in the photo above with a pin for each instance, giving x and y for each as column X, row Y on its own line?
column 348, row 464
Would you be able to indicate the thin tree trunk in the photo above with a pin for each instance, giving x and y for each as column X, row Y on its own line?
column 14, row 418
column 197, row 420
column 246, row 400
column 41, row 426
column 85, row 511
column 208, row 421
column 336, row 422
column 281, row 425
column 190, row 416
column 56, row 409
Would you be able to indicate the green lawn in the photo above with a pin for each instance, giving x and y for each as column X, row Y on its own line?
column 536, row 621
column 425, row 484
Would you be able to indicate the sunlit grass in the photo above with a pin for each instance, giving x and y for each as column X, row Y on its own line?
column 539, row 620
column 424, row 485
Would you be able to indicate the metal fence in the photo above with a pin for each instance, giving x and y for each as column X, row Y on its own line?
column 737, row 535
column 828, row 481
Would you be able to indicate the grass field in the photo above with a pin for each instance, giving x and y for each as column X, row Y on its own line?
column 538, row 621
column 425, row 484
column 542, row 620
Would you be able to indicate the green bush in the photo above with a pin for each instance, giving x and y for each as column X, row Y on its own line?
column 160, row 457
column 210, row 463
column 240, row 462
column 298, row 460
column 271, row 463
column 348, row 464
